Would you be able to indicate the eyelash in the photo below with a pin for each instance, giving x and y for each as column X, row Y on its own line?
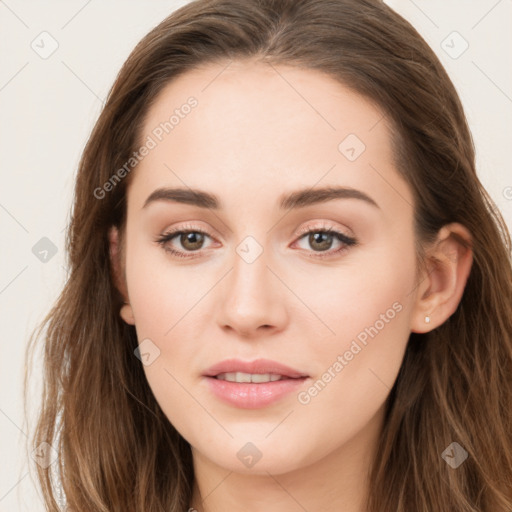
column 329, row 230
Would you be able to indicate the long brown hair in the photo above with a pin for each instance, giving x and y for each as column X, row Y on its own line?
column 117, row 450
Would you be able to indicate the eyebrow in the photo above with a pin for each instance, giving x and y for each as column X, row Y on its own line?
column 297, row 199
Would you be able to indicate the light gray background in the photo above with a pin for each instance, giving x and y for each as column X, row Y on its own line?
column 49, row 105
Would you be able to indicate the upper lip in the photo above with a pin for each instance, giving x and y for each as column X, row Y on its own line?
column 260, row 366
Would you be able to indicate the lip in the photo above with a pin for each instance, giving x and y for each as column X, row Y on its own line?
column 249, row 395
column 256, row 366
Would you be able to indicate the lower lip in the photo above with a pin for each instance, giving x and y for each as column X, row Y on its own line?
column 248, row 395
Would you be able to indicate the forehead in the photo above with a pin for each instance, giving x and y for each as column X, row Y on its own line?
column 255, row 124
column 259, row 96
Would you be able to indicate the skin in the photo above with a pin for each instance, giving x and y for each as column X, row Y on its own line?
column 259, row 132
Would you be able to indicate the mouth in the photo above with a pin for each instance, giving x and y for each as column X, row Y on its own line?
column 252, row 385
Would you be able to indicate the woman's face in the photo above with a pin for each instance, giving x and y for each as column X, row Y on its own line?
column 255, row 276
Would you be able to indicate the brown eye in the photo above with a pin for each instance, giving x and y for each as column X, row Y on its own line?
column 186, row 243
column 191, row 240
column 320, row 240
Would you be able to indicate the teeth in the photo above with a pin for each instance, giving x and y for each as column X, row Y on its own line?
column 249, row 377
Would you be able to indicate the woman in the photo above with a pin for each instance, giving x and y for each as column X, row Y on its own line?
column 288, row 288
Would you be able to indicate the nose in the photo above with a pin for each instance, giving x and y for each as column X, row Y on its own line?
column 253, row 299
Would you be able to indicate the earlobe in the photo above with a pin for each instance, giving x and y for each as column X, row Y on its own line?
column 127, row 314
column 441, row 287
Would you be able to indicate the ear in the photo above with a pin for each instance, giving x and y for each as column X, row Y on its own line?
column 441, row 286
column 117, row 265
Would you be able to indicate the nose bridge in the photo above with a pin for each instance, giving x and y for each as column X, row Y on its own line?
column 250, row 274
column 251, row 298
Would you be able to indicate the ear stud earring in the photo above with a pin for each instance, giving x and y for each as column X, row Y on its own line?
column 427, row 319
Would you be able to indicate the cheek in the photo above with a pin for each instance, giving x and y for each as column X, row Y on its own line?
column 161, row 292
column 358, row 370
column 348, row 395
column 369, row 312
column 369, row 294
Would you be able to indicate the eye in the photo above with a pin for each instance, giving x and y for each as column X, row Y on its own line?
column 190, row 239
column 321, row 239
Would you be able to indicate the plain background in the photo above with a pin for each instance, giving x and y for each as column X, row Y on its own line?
column 49, row 105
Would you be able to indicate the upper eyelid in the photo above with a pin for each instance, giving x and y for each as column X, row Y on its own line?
column 324, row 226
